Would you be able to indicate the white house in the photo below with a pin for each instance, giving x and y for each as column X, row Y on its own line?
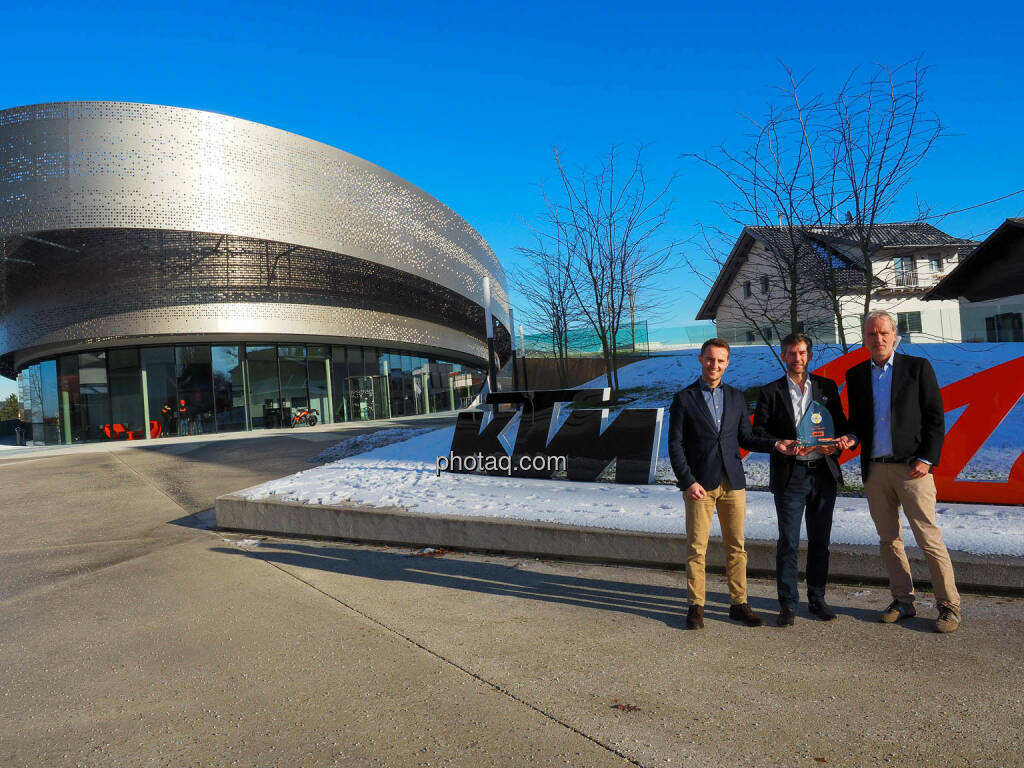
column 761, row 282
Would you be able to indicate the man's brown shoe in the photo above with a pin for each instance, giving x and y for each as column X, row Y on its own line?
column 742, row 612
column 695, row 617
column 948, row 621
column 787, row 616
column 897, row 611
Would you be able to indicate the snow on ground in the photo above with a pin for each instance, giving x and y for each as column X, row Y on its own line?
column 362, row 443
column 403, row 474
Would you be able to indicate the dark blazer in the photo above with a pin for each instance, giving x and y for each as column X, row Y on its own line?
column 918, row 424
column 774, row 416
column 699, row 454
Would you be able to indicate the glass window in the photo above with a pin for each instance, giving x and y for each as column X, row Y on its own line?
column 32, row 397
column 421, row 384
column 88, row 401
column 294, row 394
column 764, row 283
column 908, row 322
column 440, row 395
column 264, row 386
column 747, row 292
column 127, row 419
column 396, row 384
column 318, row 376
column 161, row 386
column 195, row 389
column 339, row 384
column 49, row 401
column 228, row 388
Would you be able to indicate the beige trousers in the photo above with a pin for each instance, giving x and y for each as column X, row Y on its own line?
column 888, row 487
column 732, row 509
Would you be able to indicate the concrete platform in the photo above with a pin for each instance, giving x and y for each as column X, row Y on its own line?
column 396, row 525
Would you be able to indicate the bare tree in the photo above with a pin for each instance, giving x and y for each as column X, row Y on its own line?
column 544, row 283
column 610, row 221
column 822, row 174
column 881, row 133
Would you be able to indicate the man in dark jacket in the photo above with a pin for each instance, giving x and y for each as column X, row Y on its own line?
column 896, row 413
column 708, row 423
column 805, row 484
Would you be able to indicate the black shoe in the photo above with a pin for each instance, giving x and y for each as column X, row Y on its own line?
column 821, row 609
column 742, row 612
column 695, row 617
column 787, row 616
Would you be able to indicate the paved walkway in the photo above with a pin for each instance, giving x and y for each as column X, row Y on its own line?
column 131, row 635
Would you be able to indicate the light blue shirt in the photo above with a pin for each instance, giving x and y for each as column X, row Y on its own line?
column 715, row 401
column 881, row 393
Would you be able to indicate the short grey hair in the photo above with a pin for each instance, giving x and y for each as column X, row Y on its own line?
column 877, row 313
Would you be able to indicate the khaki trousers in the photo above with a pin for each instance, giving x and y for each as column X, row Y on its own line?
column 887, row 488
column 732, row 509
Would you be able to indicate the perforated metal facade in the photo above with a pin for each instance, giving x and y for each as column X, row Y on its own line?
column 129, row 223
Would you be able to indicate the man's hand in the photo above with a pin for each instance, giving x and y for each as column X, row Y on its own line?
column 786, row 447
column 695, row 492
column 919, row 468
column 846, row 442
column 829, row 450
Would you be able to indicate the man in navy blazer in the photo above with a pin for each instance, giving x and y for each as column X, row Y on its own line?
column 708, row 424
column 804, row 485
column 896, row 412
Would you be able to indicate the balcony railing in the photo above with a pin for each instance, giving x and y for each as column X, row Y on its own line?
column 906, row 280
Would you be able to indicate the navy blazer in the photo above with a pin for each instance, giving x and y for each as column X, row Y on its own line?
column 774, row 416
column 699, row 453
column 918, row 423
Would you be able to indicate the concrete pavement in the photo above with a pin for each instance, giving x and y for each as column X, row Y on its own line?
column 132, row 635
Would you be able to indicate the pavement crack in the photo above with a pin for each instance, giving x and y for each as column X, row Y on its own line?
column 454, row 664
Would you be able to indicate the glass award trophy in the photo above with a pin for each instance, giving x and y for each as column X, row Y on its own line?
column 816, row 427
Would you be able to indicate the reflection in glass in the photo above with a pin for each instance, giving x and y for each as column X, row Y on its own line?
column 319, row 378
column 194, row 373
column 161, row 387
column 48, row 382
column 264, row 386
column 127, row 420
column 83, row 386
column 228, row 388
column 292, row 365
column 339, row 384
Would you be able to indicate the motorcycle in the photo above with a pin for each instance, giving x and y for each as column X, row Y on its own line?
column 307, row 416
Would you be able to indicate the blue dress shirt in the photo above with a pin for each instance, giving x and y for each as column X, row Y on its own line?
column 715, row 400
column 881, row 393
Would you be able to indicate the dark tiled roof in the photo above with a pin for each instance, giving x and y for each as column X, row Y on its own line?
column 912, row 235
column 816, row 241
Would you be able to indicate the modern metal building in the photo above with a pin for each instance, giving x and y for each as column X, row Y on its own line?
column 167, row 271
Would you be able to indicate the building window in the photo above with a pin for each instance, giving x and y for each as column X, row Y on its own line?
column 906, row 273
column 750, row 337
column 935, row 263
column 766, row 333
column 908, row 322
column 764, row 283
column 747, row 292
column 1005, row 327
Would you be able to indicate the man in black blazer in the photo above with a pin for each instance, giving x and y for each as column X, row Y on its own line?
column 804, row 484
column 708, row 423
column 896, row 413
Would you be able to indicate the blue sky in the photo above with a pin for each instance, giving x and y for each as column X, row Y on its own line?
column 466, row 100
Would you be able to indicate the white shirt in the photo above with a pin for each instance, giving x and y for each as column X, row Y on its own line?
column 801, row 399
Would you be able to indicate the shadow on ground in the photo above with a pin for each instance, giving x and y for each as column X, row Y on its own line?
column 661, row 603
